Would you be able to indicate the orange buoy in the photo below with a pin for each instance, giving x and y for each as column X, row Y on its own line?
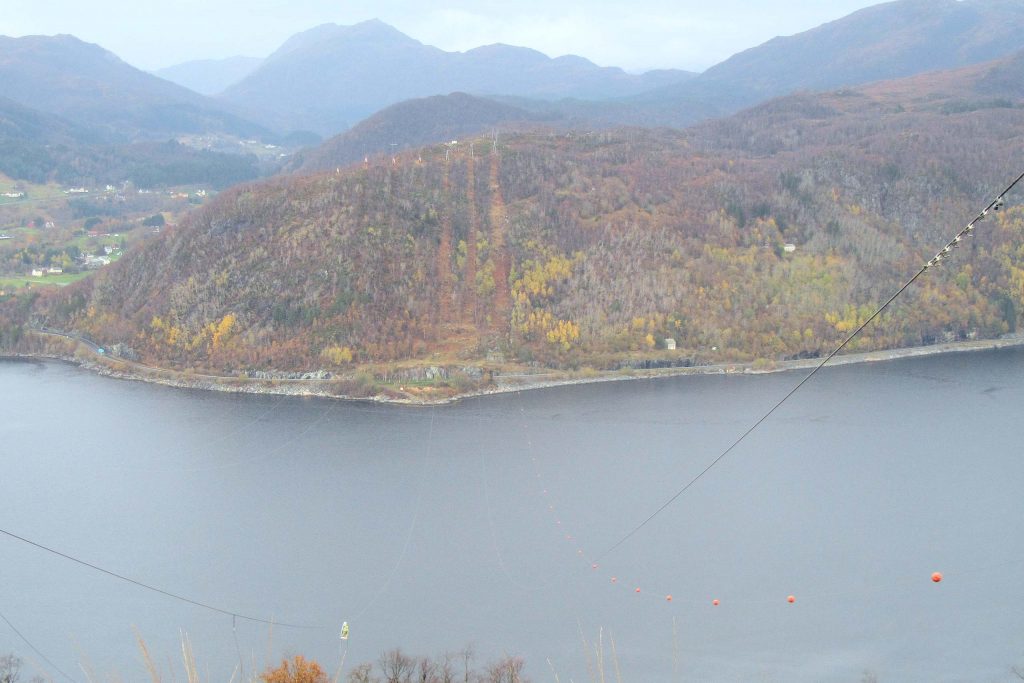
column 614, row 579
column 715, row 602
column 937, row 576
column 637, row 590
column 594, row 566
column 791, row 599
column 668, row 598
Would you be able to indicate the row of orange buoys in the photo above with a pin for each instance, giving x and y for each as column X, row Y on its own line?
column 936, row 577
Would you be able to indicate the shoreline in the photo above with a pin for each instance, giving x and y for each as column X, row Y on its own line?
column 509, row 383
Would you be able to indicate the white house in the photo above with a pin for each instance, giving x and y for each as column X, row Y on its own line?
column 670, row 343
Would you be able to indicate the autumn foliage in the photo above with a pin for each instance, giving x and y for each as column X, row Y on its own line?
column 770, row 234
column 295, row 670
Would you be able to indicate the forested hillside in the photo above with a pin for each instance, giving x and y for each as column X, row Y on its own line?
column 40, row 147
column 767, row 235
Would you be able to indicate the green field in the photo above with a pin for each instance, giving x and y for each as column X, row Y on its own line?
column 47, row 281
column 33, row 192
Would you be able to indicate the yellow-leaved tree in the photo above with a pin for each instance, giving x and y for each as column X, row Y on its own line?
column 223, row 329
column 296, row 670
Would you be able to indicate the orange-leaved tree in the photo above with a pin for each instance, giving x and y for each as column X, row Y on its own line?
column 296, row 670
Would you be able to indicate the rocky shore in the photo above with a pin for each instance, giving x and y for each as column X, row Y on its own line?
column 325, row 385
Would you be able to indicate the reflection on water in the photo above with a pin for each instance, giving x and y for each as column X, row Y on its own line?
column 480, row 522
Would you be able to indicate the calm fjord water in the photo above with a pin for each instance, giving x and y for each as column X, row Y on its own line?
column 430, row 529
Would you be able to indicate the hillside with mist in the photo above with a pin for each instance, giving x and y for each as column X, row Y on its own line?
column 89, row 86
column 73, row 113
column 40, row 148
column 896, row 39
column 415, row 123
column 209, row 76
column 886, row 41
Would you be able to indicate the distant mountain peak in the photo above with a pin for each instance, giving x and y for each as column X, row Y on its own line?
column 376, row 25
column 326, row 36
column 377, row 30
column 505, row 51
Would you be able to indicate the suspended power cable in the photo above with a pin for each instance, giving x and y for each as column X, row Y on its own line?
column 34, row 648
column 148, row 587
column 943, row 253
column 412, row 525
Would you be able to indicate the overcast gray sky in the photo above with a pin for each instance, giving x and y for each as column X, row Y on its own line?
column 686, row 34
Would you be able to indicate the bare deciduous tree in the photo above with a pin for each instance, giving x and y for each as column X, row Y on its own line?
column 10, row 670
column 397, row 667
column 446, row 670
column 362, row 674
column 426, row 671
column 506, row 670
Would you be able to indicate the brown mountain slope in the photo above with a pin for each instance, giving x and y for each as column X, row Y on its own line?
column 612, row 243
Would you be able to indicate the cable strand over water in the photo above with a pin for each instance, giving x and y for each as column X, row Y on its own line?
column 943, row 253
column 140, row 584
column 412, row 525
column 34, row 648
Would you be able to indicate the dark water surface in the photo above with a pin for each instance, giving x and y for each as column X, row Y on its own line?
column 431, row 529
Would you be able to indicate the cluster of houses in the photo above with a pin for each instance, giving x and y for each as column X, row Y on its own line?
column 86, row 260
column 13, row 195
column 94, row 261
column 43, row 272
column 109, row 189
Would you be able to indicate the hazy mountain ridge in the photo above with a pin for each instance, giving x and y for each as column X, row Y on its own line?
column 611, row 242
column 886, row 41
column 90, row 86
column 209, row 76
column 329, row 78
column 898, row 38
